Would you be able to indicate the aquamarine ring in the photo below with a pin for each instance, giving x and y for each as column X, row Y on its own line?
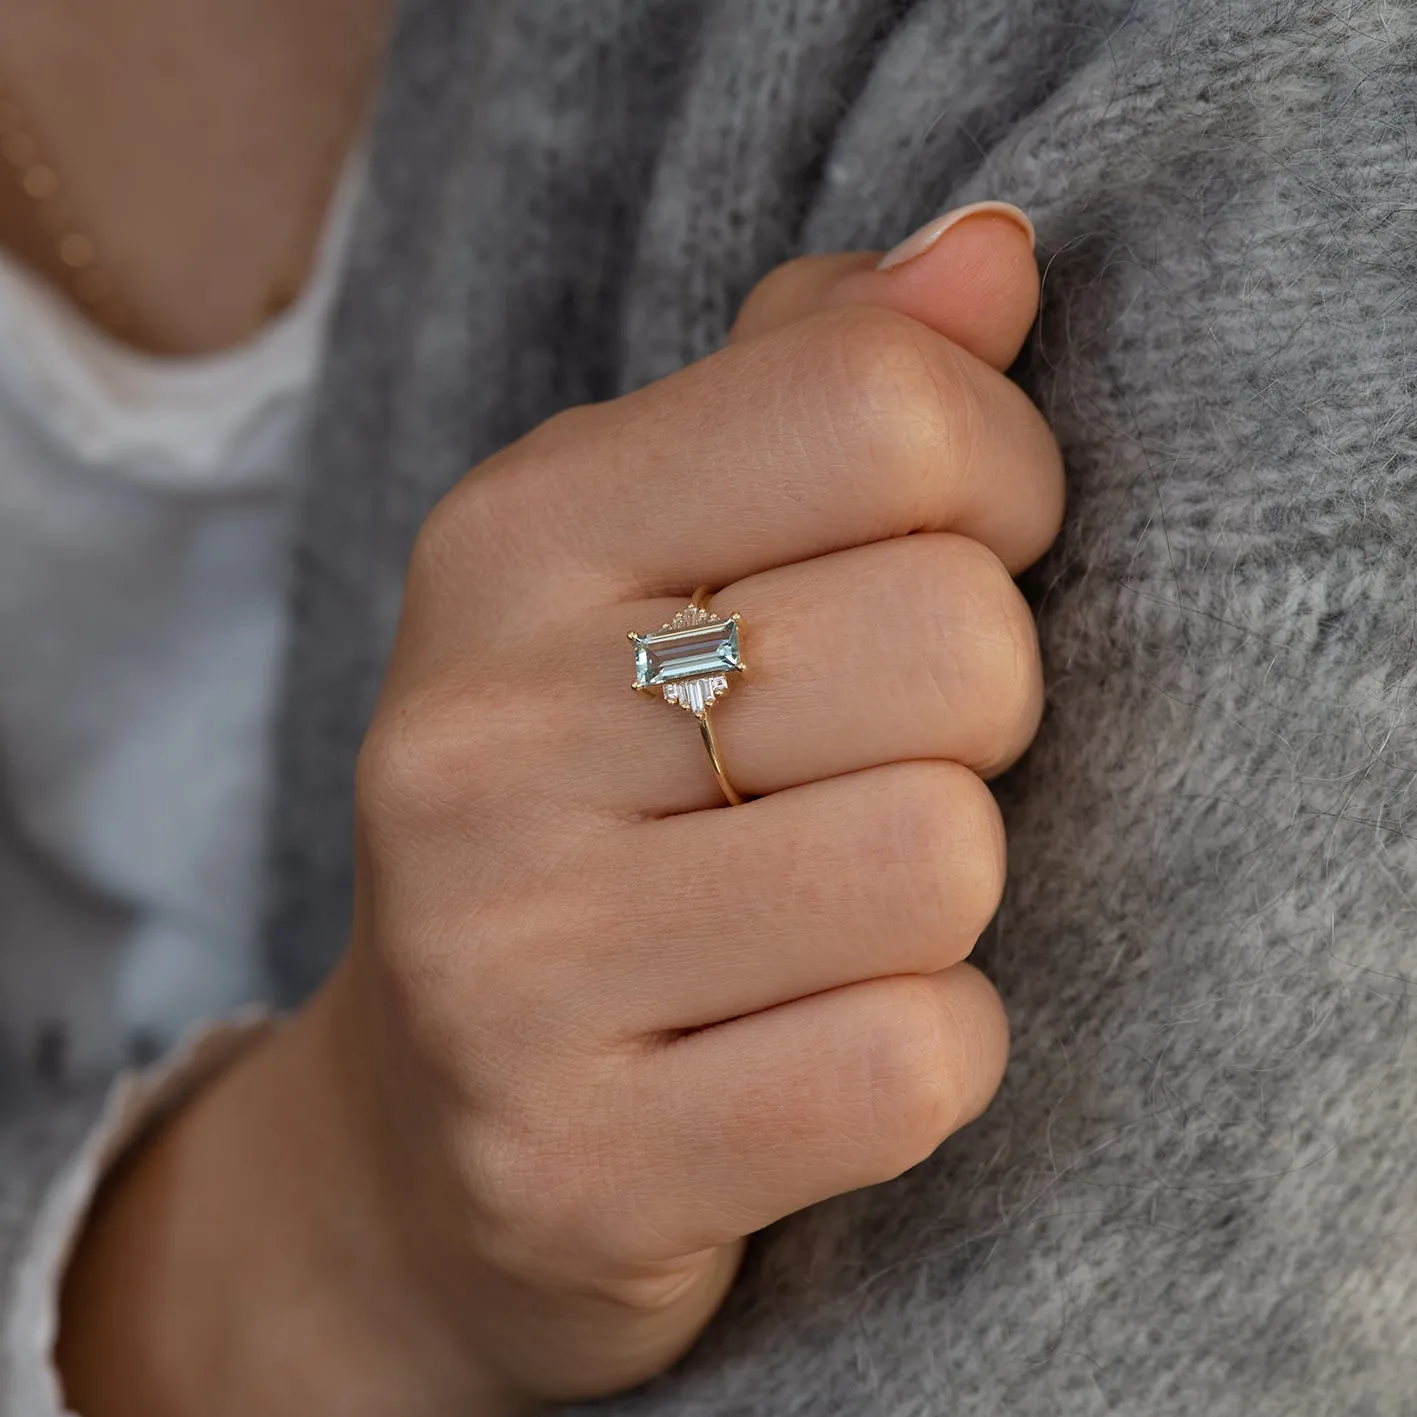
column 689, row 660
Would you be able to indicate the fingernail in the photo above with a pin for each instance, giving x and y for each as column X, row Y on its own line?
column 919, row 242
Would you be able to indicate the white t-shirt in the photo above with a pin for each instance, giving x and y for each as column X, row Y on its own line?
column 146, row 508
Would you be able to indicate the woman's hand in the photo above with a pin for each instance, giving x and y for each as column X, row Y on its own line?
column 593, row 1027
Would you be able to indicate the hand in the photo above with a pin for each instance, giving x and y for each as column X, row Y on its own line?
column 593, row 1028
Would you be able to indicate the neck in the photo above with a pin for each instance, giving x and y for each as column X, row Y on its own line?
column 196, row 143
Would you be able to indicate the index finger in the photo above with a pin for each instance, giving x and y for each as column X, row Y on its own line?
column 851, row 426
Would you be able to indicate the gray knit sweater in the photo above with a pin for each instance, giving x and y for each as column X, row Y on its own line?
column 1197, row 1189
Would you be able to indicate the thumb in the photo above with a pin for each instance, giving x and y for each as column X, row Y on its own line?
column 969, row 275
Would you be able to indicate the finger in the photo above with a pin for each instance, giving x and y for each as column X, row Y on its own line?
column 922, row 647
column 897, row 870
column 851, row 426
column 740, row 1124
column 976, row 284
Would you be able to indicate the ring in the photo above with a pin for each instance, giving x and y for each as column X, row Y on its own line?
column 689, row 659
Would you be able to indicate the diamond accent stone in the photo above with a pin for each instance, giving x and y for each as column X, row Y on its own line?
column 696, row 694
column 690, row 616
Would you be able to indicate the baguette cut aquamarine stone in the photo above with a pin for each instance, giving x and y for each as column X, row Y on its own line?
column 699, row 652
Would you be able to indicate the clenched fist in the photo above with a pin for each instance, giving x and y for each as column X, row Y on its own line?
column 594, row 1026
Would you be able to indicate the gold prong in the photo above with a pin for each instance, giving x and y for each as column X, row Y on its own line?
column 736, row 618
column 631, row 635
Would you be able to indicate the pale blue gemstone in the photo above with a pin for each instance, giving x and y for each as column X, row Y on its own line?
column 668, row 656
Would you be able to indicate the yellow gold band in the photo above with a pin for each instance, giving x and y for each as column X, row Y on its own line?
column 735, row 798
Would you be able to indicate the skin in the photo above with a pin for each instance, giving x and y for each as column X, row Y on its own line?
column 508, row 1155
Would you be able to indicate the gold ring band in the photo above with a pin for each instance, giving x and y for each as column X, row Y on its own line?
column 735, row 798
column 690, row 659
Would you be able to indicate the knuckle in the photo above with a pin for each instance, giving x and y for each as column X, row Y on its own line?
column 533, row 1205
column 491, row 521
column 911, row 1072
column 563, row 434
column 891, row 397
column 425, row 758
column 457, row 533
column 551, row 1186
column 458, row 525
column 980, row 827
column 389, row 764
column 1052, row 488
column 945, row 837
column 995, row 641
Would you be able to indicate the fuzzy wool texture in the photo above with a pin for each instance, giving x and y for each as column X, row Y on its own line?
column 1197, row 1189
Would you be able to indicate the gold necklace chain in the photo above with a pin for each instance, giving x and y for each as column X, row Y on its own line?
column 93, row 283
column 90, row 280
